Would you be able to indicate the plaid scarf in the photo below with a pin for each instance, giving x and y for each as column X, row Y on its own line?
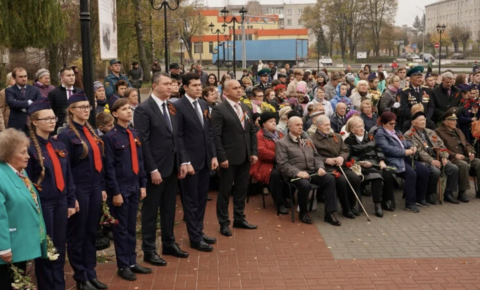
column 274, row 136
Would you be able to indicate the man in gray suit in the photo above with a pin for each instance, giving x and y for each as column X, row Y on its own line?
column 236, row 144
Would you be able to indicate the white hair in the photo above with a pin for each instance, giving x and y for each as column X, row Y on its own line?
column 448, row 75
column 321, row 119
column 293, row 119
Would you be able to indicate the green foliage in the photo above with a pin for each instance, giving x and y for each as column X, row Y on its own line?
column 31, row 23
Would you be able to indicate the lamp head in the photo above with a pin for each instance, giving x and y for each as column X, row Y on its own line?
column 224, row 12
column 243, row 11
column 211, row 25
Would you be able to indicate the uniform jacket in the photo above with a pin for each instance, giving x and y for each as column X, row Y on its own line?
column 266, row 157
column 59, row 102
column 452, row 143
column 19, row 219
column 160, row 146
column 233, row 142
column 118, row 161
column 4, row 108
column 196, row 140
column 444, row 101
column 111, row 80
column 330, row 146
column 263, row 86
column 49, row 190
column 291, row 158
column 18, row 104
column 394, row 153
column 408, row 98
column 423, row 148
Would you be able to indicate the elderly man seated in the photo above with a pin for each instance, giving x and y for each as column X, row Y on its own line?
column 338, row 119
column 334, row 153
column 432, row 152
column 460, row 152
column 297, row 158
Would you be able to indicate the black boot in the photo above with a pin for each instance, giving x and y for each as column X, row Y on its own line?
column 304, row 218
column 378, row 210
column 281, row 210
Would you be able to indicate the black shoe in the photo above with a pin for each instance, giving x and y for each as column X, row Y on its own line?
column 154, row 259
column 431, row 199
column 174, row 250
column 97, row 284
column 225, row 230
column 305, row 218
column 412, row 208
column 354, row 210
column 287, row 204
column 201, row 246
column 331, row 219
column 85, row 286
column 138, row 269
column 109, row 235
column 462, row 196
column 422, row 203
column 387, row 205
column 281, row 210
column 209, row 240
column 450, row 199
column 209, row 198
column 378, row 210
column 102, row 244
column 348, row 214
column 126, row 274
column 244, row 225
column 365, row 192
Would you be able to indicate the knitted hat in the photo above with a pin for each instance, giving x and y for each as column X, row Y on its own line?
column 302, row 87
column 41, row 72
column 284, row 111
column 350, row 114
column 97, row 85
column 265, row 116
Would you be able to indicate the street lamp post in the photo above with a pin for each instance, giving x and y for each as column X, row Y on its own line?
column 440, row 30
column 87, row 53
column 181, row 51
column 218, row 32
column 165, row 5
column 234, row 20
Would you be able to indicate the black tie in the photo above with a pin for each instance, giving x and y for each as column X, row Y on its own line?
column 166, row 118
column 195, row 105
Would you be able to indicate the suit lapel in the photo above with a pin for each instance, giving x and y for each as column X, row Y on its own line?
column 232, row 110
column 18, row 92
column 189, row 107
column 157, row 111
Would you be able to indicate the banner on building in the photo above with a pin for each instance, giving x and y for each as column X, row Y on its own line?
column 107, row 15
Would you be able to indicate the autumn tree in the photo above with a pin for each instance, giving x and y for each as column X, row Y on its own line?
column 311, row 21
column 464, row 37
column 379, row 13
column 191, row 23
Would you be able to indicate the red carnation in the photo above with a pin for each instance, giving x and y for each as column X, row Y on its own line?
column 342, row 133
column 336, row 174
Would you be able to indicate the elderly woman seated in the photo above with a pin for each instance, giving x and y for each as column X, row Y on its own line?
column 265, row 169
column 372, row 161
column 368, row 116
column 334, row 153
column 400, row 153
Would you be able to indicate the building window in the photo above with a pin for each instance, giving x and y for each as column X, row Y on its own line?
column 198, row 47
column 281, row 22
column 280, row 11
column 210, row 47
column 289, row 11
column 299, row 21
column 300, row 11
column 249, row 26
column 289, row 22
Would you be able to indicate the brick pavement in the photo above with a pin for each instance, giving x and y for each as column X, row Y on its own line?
column 282, row 255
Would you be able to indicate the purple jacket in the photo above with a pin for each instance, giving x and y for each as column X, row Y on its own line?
column 44, row 90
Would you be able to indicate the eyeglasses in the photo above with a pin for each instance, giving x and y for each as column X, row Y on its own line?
column 392, row 123
column 49, row 120
column 84, row 108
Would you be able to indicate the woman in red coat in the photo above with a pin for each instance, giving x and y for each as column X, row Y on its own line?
column 265, row 169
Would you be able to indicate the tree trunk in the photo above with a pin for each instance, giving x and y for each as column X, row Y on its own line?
column 53, row 66
column 141, row 43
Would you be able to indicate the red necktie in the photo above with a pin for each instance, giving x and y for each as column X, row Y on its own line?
column 96, row 151
column 57, row 169
column 133, row 150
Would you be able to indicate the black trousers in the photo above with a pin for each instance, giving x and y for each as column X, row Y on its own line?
column 385, row 192
column 6, row 279
column 163, row 197
column 344, row 192
column 327, row 188
column 238, row 175
column 277, row 188
column 194, row 200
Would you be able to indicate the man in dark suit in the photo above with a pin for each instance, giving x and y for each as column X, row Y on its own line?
column 19, row 97
column 59, row 96
column 157, row 124
column 236, row 144
column 196, row 139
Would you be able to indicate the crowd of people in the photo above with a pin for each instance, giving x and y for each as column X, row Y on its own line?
column 331, row 137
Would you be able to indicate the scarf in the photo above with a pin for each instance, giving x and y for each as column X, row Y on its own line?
column 258, row 103
column 363, row 94
column 274, row 136
column 392, row 88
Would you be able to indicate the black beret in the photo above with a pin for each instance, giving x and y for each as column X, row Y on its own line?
column 265, row 116
column 417, row 114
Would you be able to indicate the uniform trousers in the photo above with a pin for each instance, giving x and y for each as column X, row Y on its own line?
column 194, row 200
column 451, row 172
column 124, row 233
column 238, row 175
column 163, row 197
column 82, row 232
column 327, row 188
column 465, row 169
column 416, row 182
column 50, row 274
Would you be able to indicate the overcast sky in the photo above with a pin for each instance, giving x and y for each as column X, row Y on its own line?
column 407, row 9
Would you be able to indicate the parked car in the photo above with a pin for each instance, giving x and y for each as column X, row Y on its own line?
column 426, row 56
column 326, row 60
column 412, row 56
column 443, row 56
column 458, row 56
column 402, row 55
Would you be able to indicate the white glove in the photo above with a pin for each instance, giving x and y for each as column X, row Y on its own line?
column 30, row 102
column 396, row 105
column 24, row 110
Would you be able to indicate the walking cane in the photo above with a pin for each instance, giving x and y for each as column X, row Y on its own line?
column 440, row 193
column 351, row 187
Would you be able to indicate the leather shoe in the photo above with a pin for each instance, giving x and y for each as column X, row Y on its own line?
column 331, row 219
column 225, row 230
column 281, row 210
column 387, row 205
column 85, row 286
column 450, row 199
column 348, row 214
column 431, row 199
column 126, row 274
column 422, row 203
column 97, row 284
column 244, row 225
column 462, row 196
column 201, row 246
column 154, row 259
column 209, row 240
column 355, row 211
column 140, row 269
column 378, row 210
column 305, row 218
column 174, row 250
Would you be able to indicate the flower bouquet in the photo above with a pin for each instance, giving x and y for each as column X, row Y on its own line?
column 107, row 218
column 21, row 281
column 52, row 252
